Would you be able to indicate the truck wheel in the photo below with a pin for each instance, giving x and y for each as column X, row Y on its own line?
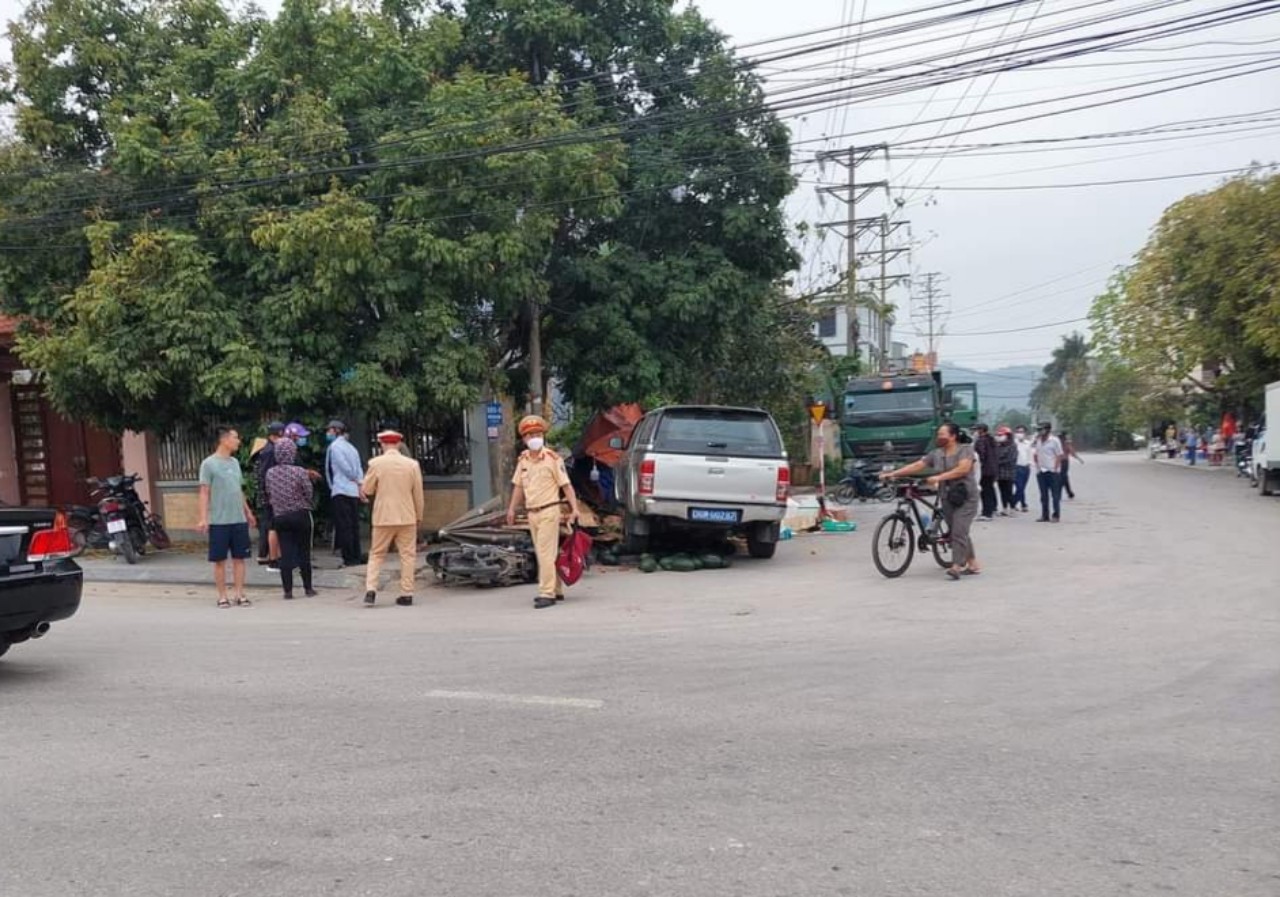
column 632, row 541
column 758, row 548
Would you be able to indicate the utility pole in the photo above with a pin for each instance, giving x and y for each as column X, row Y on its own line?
column 536, row 399
column 930, row 314
column 854, row 228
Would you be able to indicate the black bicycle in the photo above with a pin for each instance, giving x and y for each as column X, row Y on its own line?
column 916, row 522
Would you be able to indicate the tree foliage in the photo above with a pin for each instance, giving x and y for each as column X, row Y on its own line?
column 209, row 211
column 1098, row 397
column 1204, row 293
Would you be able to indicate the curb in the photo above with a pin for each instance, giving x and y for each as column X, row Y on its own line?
column 199, row 574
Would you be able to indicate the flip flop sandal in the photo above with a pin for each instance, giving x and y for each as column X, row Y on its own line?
column 223, row 602
column 954, row 575
column 243, row 602
column 968, row 572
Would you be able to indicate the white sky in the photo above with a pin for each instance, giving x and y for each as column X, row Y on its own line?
column 1054, row 249
column 992, row 244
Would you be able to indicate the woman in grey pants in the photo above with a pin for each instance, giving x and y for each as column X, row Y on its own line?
column 952, row 463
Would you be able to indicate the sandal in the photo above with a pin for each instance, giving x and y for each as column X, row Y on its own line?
column 953, row 573
column 969, row 571
column 243, row 602
column 223, row 602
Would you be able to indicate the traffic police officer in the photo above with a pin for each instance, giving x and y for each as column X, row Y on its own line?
column 539, row 481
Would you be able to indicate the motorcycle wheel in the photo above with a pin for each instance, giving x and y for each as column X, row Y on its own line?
column 79, row 540
column 886, row 493
column 127, row 549
column 843, row 494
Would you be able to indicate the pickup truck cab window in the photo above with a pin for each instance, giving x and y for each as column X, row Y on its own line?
column 739, row 433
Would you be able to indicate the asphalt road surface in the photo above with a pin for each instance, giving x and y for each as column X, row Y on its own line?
column 1097, row 714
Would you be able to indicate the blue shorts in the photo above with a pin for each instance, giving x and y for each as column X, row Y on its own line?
column 229, row 540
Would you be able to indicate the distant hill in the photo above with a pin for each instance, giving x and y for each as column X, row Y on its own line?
column 1004, row 388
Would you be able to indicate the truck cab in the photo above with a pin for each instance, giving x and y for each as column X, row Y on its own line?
column 893, row 417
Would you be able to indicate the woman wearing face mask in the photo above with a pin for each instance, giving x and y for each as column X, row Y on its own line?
column 289, row 491
column 539, row 481
column 955, row 478
column 1007, row 473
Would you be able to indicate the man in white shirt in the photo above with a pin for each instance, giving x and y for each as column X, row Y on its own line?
column 1048, row 461
column 1022, row 477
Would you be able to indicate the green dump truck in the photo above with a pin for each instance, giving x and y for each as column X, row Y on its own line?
column 893, row 417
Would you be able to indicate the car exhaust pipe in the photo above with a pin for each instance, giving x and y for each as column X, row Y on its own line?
column 41, row 629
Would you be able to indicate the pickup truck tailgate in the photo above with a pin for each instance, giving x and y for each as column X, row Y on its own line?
column 716, row 478
column 725, row 457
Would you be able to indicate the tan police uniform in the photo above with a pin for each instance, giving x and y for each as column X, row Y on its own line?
column 543, row 478
column 394, row 481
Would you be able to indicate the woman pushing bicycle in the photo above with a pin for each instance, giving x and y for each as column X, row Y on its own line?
column 955, row 476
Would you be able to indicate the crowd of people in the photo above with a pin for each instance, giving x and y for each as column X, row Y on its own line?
column 392, row 483
column 979, row 477
column 1212, row 445
column 983, row 476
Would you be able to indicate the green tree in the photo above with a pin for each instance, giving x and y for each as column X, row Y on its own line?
column 271, row 224
column 1204, row 293
column 678, row 294
column 1065, row 375
column 211, row 211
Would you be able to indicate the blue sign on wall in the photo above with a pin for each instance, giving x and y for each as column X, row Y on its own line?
column 493, row 414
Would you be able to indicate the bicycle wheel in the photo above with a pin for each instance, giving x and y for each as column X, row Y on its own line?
column 940, row 542
column 894, row 546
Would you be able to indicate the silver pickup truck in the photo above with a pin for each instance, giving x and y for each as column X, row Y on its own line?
column 704, row 467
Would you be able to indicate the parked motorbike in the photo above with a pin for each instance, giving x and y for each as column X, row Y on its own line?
column 129, row 523
column 88, row 528
column 860, row 483
column 1244, row 461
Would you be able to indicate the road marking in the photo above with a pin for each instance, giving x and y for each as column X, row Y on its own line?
column 494, row 697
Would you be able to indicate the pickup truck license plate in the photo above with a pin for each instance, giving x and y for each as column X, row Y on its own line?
column 116, row 526
column 715, row 515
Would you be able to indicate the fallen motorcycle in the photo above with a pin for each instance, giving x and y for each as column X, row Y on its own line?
column 859, row 483
column 483, row 566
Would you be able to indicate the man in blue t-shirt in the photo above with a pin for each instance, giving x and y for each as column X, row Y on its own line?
column 225, row 515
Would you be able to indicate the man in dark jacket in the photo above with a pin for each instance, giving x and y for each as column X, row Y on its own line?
column 1007, row 475
column 268, row 541
column 985, row 448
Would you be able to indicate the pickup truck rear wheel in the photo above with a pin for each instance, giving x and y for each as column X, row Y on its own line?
column 758, row 548
column 633, row 542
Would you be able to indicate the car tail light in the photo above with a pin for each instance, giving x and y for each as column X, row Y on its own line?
column 51, row 544
column 648, row 473
column 784, row 483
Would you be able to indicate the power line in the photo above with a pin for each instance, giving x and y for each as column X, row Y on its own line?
column 1039, row 8
column 803, row 102
column 1119, row 182
column 580, row 139
column 1020, row 329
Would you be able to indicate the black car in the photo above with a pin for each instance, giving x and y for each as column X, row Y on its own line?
column 39, row 583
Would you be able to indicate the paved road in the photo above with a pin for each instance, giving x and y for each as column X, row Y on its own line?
column 1096, row 715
